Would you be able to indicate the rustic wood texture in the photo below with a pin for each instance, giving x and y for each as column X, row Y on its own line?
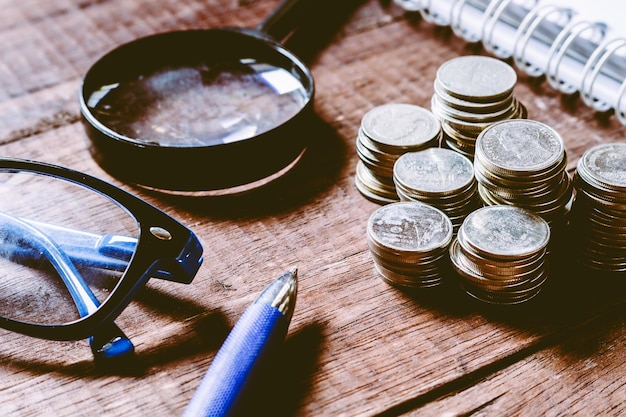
column 356, row 346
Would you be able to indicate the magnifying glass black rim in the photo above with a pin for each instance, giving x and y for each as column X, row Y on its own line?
column 194, row 168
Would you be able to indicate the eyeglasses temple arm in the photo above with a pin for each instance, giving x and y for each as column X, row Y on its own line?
column 111, row 251
column 110, row 341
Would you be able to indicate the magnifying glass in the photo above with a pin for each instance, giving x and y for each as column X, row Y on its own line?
column 200, row 110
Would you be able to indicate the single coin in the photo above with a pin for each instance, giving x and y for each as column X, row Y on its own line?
column 505, row 232
column 519, row 146
column 501, row 268
column 410, row 226
column 435, row 171
column 400, row 125
column 605, row 165
column 477, row 78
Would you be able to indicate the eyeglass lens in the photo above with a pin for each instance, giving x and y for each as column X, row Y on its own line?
column 63, row 248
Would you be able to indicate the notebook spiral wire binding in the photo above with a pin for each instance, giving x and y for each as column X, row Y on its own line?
column 559, row 48
column 528, row 27
column 589, row 52
column 592, row 69
column 493, row 14
column 427, row 12
column 620, row 107
column 456, row 23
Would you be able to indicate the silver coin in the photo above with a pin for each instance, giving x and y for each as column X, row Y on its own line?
column 450, row 203
column 382, row 167
column 363, row 141
column 434, row 171
column 505, row 232
column 603, row 198
column 472, row 128
column 381, row 184
column 410, row 226
column 503, row 287
column 426, row 268
column 550, row 194
column 469, row 128
column 500, row 267
column 530, row 180
column 605, row 165
column 367, row 156
column 513, row 185
column 471, row 106
column 471, row 116
column 487, row 261
column 520, row 146
column 607, row 217
column 477, row 78
column 466, row 150
column 404, row 257
column 505, row 297
column 372, row 188
column 400, row 125
column 407, row 281
column 497, row 288
column 462, row 138
column 600, row 206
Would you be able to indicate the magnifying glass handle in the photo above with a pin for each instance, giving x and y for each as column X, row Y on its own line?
column 283, row 20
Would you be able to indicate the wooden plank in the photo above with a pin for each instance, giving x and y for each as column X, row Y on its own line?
column 356, row 346
column 581, row 375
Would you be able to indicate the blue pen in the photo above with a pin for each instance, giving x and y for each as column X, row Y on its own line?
column 264, row 323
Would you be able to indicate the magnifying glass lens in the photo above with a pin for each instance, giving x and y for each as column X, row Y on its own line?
column 202, row 105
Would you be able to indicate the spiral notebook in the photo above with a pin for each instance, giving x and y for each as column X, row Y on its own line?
column 579, row 45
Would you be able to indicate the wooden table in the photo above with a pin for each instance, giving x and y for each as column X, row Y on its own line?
column 356, row 346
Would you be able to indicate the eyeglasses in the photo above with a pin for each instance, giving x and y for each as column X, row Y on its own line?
column 73, row 251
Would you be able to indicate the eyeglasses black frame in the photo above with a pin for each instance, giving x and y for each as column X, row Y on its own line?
column 178, row 252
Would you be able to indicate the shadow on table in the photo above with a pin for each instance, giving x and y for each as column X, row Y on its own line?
column 279, row 390
column 572, row 296
column 579, row 313
column 286, row 379
column 206, row 332
column 316, row 172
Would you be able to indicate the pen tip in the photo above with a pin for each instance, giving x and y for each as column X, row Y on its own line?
column 294, row 270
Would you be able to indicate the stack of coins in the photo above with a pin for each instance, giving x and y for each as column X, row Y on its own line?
column 440, row 177
column 409, row 243
column 499, row 254
column 471, row 93
column 386, row 132
column 522, row 163
column 599, row 212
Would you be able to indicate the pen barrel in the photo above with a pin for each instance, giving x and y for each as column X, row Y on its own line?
column 244, row 351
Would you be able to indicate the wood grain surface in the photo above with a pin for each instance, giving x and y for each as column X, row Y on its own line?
column 356, row 346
